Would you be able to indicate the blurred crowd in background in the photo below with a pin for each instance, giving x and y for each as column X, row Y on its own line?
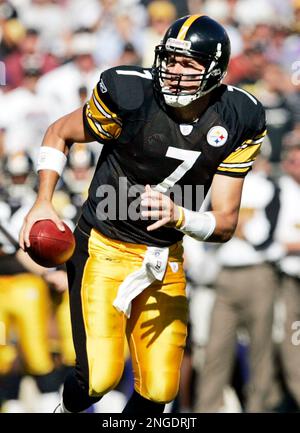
column 243, row 351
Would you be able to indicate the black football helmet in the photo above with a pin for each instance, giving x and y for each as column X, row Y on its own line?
column 201, row 38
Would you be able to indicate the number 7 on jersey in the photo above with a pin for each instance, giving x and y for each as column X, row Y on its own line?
column 189, row 157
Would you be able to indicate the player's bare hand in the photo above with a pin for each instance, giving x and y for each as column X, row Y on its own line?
column 160, row 207
column 41, row 210
column 58, row 279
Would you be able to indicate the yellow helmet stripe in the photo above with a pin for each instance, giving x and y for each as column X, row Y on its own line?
column 186, row 25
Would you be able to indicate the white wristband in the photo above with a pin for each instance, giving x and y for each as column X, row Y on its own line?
column 51, row 159
column 198, row 225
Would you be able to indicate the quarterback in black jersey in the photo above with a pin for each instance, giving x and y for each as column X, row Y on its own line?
column 170, row 134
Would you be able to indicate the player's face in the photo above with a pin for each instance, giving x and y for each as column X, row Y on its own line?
column 183, row 74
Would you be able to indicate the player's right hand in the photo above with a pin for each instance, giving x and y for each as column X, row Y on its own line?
column 41, row 210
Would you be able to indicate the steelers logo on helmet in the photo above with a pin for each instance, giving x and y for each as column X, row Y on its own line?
column 196, row 37
column 217, row 136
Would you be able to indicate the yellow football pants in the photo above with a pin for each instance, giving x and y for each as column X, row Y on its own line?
column 156, row 330
column 24, row 305
column 63, row 322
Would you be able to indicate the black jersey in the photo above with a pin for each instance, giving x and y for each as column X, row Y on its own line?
column 144, row 145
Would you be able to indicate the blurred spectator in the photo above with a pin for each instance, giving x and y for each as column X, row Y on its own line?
column 275, row 47
column 64, row 85
column 129, row 56
column 2, row 153
column 48, row 17
column 11, row 33
column 83, row 17
column 247, row 67
column 77, row 177
column 19, row 182
column 291, row 45
column 295, row 25
column 183, row 7
column 9, row 27
column 223, row 12
column 118, row 25
column 7, row 11
column 245, row 294
column 27, row 114
column 272, row 92
column 195, row 6
column 29, row 52
column 248, row 13
column 202, row 269
column 161, row 15
column 288, row 236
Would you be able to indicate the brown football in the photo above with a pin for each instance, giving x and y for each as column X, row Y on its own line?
column 49, row 246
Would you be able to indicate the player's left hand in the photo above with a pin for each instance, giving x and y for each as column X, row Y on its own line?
column 162, row 208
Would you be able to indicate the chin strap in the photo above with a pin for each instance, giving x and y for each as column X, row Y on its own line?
column 178, row 101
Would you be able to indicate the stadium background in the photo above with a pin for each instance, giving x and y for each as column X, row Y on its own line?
column 52, row 53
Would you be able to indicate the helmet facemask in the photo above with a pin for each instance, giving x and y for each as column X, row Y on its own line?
column 179, row 95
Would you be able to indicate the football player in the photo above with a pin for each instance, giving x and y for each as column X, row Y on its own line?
column 172, row 128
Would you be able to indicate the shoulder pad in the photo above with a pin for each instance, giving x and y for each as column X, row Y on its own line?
column 125, row 86
column 249, row 111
